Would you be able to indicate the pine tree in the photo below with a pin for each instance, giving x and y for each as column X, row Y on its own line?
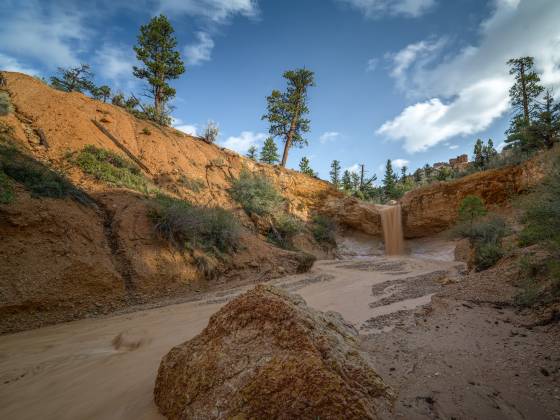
column 526, row 89
column 335, row 173
column 355, row 180
column 252, row 153
column 418, row 176
column 305, row 167
column 101, row 93
column 389, row 180
column 286, row 110
column 404, row 171
column 489, row 152
column 74, row 79
column 346, row 181
column 269, row 152
column 478, row 154
column 428, row 170
column 156, row 50
column 547, row 124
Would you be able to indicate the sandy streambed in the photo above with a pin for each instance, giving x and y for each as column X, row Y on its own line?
column 105, row 368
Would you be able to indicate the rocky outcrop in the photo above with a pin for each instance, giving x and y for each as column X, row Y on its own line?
column 267, row 355
column 353, row 214
column 433, row 208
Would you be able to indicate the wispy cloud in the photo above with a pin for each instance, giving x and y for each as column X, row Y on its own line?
column 52, row 34
column 468, row 91
column 453, row 147
column 329, row 136
column 8, row 63
column 244, row 141
column 378, row 8
column 115, row 62
column 218, row 11
column 372, row 64
column 200, row 51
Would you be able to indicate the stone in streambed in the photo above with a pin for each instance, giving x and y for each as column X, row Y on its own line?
column 266, row 354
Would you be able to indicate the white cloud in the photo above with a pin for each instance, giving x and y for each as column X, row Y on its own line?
column 329, row 136
column 464, row 93
column 214, row 10
column 453, row 147
column 372, row 64
column 44, row 32
column 187, row 129
column 400, row 163
column 115, row 62
column 377, row 8
column 425, row 124
column 200, row 51
column 418, row 55
column 8, row 63
column 244, row 141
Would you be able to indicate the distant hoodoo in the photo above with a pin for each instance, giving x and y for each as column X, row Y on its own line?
column 391, row 222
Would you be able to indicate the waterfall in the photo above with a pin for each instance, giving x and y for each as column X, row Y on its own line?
column 392, row 229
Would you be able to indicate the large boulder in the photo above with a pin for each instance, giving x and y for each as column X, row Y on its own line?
column 267, row 355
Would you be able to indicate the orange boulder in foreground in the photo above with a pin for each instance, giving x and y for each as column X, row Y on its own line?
column 266, row 354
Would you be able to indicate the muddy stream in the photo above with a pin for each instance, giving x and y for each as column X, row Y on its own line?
column 105, row 368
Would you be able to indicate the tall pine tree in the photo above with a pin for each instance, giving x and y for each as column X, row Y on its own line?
column 269, row 152
column 286, row 110
column 478, row 154
column 346, row 181
column 389, row 181
column 335, row 173
column 156, row 50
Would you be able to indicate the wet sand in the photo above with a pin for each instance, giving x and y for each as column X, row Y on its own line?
column 105, row 368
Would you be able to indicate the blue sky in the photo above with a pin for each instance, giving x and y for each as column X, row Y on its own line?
column 415, row 81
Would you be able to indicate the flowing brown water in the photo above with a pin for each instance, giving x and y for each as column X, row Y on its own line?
column 392, row 229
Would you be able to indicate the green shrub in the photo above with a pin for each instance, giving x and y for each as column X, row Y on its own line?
column 283, row 229
column 5, row 104
column 487, row 254
column 471, row 208
column 187, row 226
column 540, row 281
column 195, row 185
column 256, row 194
column 542, row 213
column 36, row 177
column 486, row 236
column 324, row 229
column 109, row 167
column 6, row 189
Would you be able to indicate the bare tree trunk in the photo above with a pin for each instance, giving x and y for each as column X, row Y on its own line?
column 524, row 93
column 290, row 136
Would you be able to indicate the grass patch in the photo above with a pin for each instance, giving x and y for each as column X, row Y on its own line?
column 40, row 180
column 211, row 229
column 195, row 185
column 107, row 166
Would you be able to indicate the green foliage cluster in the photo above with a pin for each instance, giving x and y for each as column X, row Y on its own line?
column 6, row 188
column 213, row 230
column 484, row 231
column 540, row 278
column 324, row 229
column 40, row 180
column 107, row 166
column 5, row 104
column 305, row 168
column 258, row 195
column 269, row 152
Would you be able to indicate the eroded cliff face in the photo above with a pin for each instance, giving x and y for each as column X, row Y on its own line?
column 433, row 208
column 62, row 259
